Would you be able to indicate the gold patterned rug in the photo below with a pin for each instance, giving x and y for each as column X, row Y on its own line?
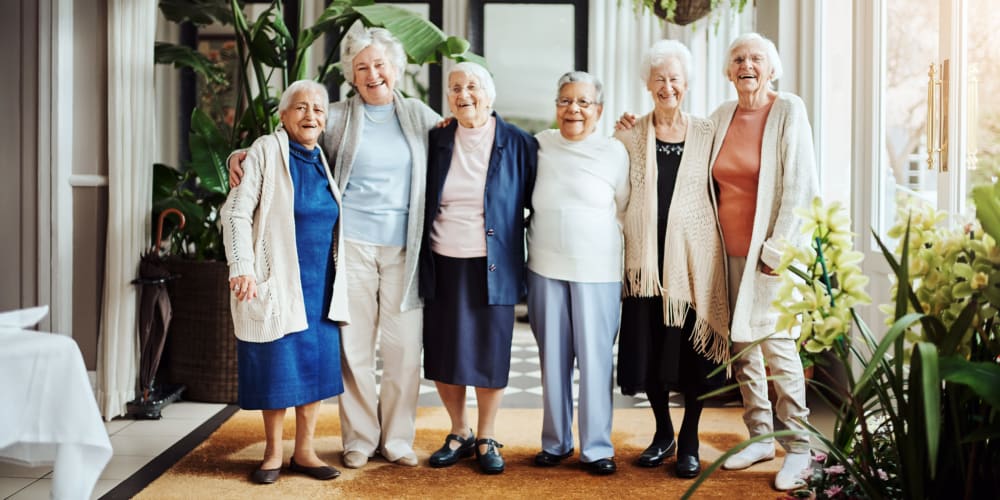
column 220, row 466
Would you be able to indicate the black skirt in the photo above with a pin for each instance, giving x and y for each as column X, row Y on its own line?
column 653, row 356
column 466, row 340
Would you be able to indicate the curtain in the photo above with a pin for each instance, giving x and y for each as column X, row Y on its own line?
column 131, row 119
column 619, row 37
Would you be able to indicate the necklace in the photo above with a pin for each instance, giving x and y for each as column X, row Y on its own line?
column 474, row 147
column 373, row 120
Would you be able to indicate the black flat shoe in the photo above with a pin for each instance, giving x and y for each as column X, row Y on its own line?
column 323, row 472
column 546, row 459
column 265, row 476
column 688, row 466
column 490, row 462
column 602, row 467
column 446, row 456
column 657, row 451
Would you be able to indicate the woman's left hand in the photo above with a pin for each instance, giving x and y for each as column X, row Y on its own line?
column 245, row 287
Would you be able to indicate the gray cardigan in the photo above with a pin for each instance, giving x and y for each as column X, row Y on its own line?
column 341, row 141
column 787, row 181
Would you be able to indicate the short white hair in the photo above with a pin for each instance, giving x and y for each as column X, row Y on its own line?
column 769, row 49
column 356, row 41
column 660, row 53
column 582, row 77
column 301, row 85
column 481, row 74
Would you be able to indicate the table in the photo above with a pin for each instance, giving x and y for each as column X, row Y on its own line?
column 48, row 414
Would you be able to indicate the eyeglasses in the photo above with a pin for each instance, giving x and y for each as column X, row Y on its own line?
column 457, row 89
column 563, row 102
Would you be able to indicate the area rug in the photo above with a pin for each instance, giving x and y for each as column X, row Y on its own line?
column 219, row 467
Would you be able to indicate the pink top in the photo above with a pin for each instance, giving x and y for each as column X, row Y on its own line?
column 459, row 229
column 736, row 172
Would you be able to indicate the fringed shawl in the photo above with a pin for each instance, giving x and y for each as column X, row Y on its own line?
column 694, row 272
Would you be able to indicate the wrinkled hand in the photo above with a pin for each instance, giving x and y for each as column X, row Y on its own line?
column 626, row 122
column 245, row 287
column 444, row 122
column 235, row 171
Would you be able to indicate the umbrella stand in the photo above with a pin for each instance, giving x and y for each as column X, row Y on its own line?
column 154, row 320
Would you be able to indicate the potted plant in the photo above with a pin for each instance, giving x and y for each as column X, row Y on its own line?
column 684, row 12
column 201, row 344
column 919, row 413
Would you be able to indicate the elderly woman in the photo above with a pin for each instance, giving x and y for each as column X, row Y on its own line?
column 764, row 168
column 675, row 315
column 282, row 232
column 378, row 139
column 479, row 179
column 575, row 272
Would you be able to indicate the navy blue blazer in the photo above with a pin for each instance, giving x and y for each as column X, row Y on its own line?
column 510, row 179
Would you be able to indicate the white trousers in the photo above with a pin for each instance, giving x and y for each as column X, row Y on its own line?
column 371, row 417
column 782, row 358
column 575, row 321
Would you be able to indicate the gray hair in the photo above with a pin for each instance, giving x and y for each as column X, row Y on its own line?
column 301, row 85
column 356, row 41
column 769, row 49
column 660, row 53
column 481, row 74
column 582, row 77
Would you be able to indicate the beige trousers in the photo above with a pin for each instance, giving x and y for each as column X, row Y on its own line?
column 373, row 417
column 782, row 358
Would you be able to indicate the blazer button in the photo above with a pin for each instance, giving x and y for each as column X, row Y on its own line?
column 489, row 232
column 493, row 267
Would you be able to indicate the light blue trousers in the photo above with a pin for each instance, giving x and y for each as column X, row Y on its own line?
column 578, row 321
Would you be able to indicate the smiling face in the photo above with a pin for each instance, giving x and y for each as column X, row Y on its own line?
column 667, row 84
column 467, row 99
column 577, row 110
column 374, row 75
column 749, row 68
column 305, row 117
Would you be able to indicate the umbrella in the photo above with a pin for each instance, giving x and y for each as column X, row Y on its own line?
column 154, row 309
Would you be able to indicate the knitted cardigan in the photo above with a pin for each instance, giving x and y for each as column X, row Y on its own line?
column 258, row 229
column 694, row 267
column 343, row 137
column 787, row 181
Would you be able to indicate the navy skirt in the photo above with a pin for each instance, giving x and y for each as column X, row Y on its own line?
column 466, row 340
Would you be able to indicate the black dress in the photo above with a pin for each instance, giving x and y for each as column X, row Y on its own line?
column 651, row 354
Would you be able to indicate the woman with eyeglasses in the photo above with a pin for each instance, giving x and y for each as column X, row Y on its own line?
column 480, row 173
column 575, row 272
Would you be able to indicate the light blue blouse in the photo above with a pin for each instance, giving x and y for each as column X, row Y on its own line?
column 376, row 201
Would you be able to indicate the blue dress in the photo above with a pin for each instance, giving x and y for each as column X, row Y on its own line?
column 301, row 367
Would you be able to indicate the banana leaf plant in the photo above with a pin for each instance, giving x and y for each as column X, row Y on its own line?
column 271, row 55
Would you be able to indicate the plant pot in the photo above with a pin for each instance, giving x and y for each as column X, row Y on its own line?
column 201, row 343
column 687, row 11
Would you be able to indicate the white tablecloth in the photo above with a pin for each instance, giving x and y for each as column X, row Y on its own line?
column 48, row 414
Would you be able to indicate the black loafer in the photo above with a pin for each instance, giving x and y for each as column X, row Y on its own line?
column 688, row 466
column 546, row 459
column 657, row 451
column 446, row 456
column 265, row 476
column 490, row 462
column 323, row 472
column 602, row 467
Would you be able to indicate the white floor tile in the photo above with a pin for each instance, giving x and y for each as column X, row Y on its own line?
column 13, row 470
column 117, row 425
column 189, row 409
column 11, row 485
column 177, row 427
column 103, row 486
column 38, row 490
column 142, row 446
column 121, row 467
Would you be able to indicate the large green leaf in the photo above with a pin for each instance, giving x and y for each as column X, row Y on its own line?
column 988, row 208
column 895, row 331
column 983, row 377
column 209, row 150
column 925, row 381
column 186, row 57
column 419, row 36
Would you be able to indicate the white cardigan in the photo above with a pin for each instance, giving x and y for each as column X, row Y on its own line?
column 581, row 192
column 258, row 229
column 787, row 181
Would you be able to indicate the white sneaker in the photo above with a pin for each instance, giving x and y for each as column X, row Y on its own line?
column 355, row 459
column 790, row 475
column 756, row 452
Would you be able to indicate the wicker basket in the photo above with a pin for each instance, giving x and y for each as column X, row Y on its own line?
column 687, row 12
column 201, row 345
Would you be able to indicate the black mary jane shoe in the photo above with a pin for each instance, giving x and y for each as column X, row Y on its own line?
column 446, row 456
column 265, row 476
column 490, row 462
column 323, row 472
column 602, row 467
column 546, row 459
column 688, row 466
column 654, row 455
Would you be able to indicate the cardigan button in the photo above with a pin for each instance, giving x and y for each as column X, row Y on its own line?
column 493, row 267
column 489, row 232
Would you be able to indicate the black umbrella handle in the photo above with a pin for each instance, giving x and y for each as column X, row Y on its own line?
column 154, row 281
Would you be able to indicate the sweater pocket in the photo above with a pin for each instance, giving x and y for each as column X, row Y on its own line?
column 765, row 292
column 263, row 306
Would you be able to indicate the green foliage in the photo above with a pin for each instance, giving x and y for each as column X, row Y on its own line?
column 199, row 188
